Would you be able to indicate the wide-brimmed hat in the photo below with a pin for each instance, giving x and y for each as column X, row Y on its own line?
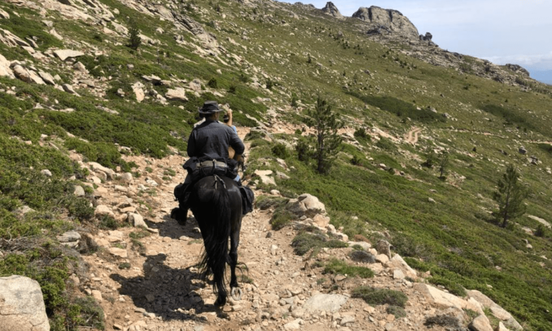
column 209, row 108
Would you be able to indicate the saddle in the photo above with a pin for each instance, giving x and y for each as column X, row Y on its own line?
column 199, row 168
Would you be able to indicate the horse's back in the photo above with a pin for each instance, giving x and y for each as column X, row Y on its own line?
column 208, row 191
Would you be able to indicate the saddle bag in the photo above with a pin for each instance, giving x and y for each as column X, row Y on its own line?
column 203, row 167
column 247, row 199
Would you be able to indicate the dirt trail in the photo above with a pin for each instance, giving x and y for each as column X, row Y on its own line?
column 151, row 283
column 412, row 135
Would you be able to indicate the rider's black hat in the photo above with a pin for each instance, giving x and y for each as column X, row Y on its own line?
column 209, row 108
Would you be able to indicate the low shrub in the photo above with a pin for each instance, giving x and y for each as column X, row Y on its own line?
column 399, row 312
column 304, row 242
column 280, row 150
column 386, row 144
column 374, row 296
column 335, row 266
column 281, row 219
column 451, row 286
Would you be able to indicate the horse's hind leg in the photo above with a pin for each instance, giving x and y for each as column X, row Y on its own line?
column 234, row 243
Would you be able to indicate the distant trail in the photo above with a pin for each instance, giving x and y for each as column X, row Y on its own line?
column 412, row 135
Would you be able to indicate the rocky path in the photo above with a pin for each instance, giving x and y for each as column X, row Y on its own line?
column 145, row 279
column 412, row 135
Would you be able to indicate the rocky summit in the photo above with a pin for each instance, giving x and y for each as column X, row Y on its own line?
column 381, row 166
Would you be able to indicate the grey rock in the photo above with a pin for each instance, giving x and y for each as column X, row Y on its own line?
column 522, row 150
column 387, row 21
column 68, row 88
column 64, row 54
column 481, row 323
column 306, row 204
column 384, row 247
column 325, row 303
column 46, row 77
column 176, row 94
column 69, row 236
column 24, row 210
column 332, row 10
column 5, row 67
column 22, row 305
column 46, row 173
column 137, row 220
column 22, row 73
column 362, row 256
column 79, row 191
column 127, row 177
column 4, row 15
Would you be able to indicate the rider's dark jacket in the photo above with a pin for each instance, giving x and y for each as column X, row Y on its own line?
column 211, row 139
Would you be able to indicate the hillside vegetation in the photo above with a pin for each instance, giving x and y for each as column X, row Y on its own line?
column 269, row 62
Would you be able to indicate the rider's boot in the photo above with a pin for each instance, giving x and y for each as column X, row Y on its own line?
column 180, row 214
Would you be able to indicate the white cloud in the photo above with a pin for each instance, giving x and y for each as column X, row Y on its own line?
column 538, row 61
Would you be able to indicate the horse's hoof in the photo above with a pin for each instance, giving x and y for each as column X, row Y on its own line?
column 220, row 302
column 236, row 293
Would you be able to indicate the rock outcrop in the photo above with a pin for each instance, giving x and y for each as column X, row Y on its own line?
column 387, row 21
column 21, row 305
column 332, row 10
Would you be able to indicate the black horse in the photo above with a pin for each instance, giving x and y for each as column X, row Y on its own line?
column 217, row 206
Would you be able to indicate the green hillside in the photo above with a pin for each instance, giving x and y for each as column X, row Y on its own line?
column 270, row 62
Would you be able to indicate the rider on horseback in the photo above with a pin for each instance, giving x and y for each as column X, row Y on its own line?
column 207, row 147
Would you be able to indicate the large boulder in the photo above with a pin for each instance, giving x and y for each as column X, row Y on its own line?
column 389, row 20
column 481, row 323
column 64, row 54
column 329, row 303
column 307, row 205
column 176, row 94
column 22, row 73
column 332, row 10
column 441, row 299
column 495, row 309
column 5, row 67
column 22, row 305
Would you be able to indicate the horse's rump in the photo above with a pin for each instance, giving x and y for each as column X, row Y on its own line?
column 217, row 206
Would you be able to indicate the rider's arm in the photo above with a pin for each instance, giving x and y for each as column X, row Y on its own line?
column 229, row 112
column 191, row 145
column 236, row 143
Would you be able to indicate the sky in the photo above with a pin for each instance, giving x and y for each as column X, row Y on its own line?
column 506, row 31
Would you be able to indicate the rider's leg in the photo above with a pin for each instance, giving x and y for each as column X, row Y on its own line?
column 181, row 213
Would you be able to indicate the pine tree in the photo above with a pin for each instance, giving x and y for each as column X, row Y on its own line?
column 328, row 142
column 134, row 40
column 510, row 197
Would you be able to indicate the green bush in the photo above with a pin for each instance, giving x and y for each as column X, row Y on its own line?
column 386, row 144
column 335, row 266
column 374, row 296
column 399, row 312
column 304, row 242
column 541, row 231
column 280, row 150
column 304, row 149
column 281, row 219
column 451, row 286
column 213, row 83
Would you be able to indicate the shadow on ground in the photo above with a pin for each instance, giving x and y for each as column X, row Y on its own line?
column 166, row 292
column 170, row 228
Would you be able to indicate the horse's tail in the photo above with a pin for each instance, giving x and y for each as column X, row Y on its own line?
column 215, row 256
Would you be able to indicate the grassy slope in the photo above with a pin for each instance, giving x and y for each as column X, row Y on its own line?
column 452, row 237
